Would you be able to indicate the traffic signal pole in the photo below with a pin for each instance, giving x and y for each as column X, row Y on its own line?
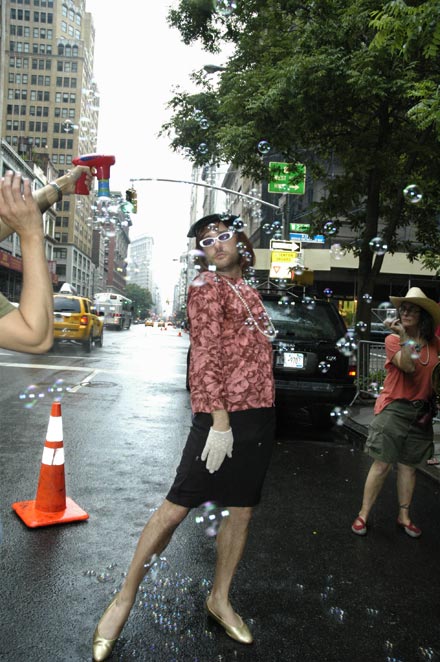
column 210, row 186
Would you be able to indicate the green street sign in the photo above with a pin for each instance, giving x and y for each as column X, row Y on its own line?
column 300, row 227
column 287, row 178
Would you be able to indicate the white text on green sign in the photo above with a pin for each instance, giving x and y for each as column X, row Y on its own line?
column 287, row 178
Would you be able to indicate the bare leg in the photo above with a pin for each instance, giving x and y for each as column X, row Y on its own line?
column 373, row 485
column 231, row 541
column 406, row 482
column 154, row 538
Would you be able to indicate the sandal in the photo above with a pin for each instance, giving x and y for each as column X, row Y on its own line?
column 410, row 529
column 359, row 526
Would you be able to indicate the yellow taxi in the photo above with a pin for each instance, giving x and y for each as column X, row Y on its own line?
column 75, row 320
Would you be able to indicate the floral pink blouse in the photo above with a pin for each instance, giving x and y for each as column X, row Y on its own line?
column 230, row 360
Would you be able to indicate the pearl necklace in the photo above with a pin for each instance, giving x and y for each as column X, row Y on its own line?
column 270, row 332
column 418, row 350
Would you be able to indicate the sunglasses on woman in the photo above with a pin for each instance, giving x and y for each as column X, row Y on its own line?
column 210, row 241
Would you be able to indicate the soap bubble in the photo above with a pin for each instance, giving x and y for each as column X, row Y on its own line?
column 238, row 224
column 309, row 303
column 324, row 367
column 367, row 298
column 225, row 7
column 330, row 228
column 105, row 577
column 204, row 124
column 412, row 194
column 202, row 148
column 374, row 389
column 427, row 653
column 378, row 245
column 361, row 326
column 346, row 345
column 337, row 252
column 267, row 228
column 263, row 147
column 339, row 415
column 328, row 292
column 210, row 517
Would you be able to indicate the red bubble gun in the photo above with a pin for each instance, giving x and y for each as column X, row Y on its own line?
column 99, row 165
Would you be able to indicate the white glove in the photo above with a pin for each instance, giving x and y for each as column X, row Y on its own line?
column 218, row 445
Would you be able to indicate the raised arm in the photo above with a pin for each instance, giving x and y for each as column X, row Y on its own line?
column 51, row 193
column 29, row 328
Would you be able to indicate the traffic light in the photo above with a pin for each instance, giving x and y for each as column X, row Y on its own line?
column 131, row 197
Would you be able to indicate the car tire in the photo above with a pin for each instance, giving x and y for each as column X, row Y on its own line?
column 88, row 344
column 100, row 339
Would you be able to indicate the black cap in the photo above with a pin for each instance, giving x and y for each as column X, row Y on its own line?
column 227, row 219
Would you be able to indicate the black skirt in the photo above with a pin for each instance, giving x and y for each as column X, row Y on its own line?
column 239, row 480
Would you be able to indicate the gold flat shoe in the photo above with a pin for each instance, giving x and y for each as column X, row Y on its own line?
column 240, row 633
column 102, row 648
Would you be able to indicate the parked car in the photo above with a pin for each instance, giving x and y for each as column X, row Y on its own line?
column 75, row 320
column 148, row 323
column 310, row 371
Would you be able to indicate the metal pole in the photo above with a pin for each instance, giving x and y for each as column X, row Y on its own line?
column 211, row 186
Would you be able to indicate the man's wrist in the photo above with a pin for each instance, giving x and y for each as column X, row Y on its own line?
column 58, row 190
column 220, row 420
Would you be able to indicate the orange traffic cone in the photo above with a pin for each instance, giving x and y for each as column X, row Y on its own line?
column 51, row 506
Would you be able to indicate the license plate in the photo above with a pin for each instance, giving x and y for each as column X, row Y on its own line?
column 293, row 360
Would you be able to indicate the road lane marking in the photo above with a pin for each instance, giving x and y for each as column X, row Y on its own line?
column 140, row 372
column 84, row 382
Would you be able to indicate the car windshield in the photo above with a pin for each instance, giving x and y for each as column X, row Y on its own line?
column 64, row 304
column 302, row 322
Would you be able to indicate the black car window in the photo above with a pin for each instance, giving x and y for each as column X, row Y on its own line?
column 319, row 322
column 64, row 304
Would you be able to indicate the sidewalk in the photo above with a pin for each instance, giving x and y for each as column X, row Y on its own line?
column 361, row 413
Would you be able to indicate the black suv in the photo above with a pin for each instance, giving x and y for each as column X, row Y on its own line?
column 310, row 371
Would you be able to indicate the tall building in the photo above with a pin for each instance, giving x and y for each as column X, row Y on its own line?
column 49, row 106
column 140, row 269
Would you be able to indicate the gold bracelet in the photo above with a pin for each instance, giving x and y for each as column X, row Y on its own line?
column 58, row 190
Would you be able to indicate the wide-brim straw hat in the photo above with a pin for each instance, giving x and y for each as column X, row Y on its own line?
column 416, row 296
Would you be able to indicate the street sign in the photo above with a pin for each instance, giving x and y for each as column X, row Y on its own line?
column 282, row 263
column 284, row 245
column 317, row 239
column 287, row 178
column 301, row 232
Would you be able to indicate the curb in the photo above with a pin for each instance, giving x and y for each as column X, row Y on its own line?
column 359, row 433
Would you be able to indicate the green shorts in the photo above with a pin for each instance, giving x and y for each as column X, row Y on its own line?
column 394, row 436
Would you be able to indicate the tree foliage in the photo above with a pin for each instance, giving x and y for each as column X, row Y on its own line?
column 325, row 82
column 141, row 297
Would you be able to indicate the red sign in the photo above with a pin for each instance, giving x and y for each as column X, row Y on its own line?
column 9, row 261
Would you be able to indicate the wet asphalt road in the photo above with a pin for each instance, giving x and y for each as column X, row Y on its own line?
column 310, row 590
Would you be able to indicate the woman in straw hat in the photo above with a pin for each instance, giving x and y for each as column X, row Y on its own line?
column 401, row 431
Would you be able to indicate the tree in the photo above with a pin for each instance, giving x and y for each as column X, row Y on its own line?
column 316, row 82
column 142, row 299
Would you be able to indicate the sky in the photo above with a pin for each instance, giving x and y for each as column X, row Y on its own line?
column 139, row 60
